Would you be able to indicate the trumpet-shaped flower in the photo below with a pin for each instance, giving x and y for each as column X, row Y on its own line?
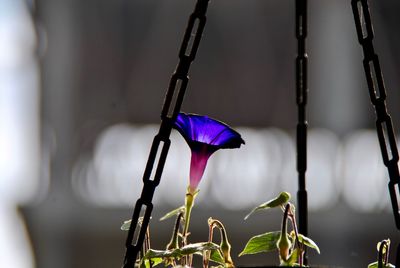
column 204, row 136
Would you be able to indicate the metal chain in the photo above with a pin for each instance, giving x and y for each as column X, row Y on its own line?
column 301, row 99
column 377, row 92
column 172, row 104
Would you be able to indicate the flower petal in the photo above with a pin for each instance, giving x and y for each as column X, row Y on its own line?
column 197, row 128
column 204, row 136
column 198, row 164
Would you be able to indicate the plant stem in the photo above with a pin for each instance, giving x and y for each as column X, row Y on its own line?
column 292, row 218
column 207, row 255
column 225, row 245
column 283, row 241
column 383, row 253
column 173, row 244
column 189, row 202
column 147, row 244
column 387, row 253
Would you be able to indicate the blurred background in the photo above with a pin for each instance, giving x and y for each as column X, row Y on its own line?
column 81, row 89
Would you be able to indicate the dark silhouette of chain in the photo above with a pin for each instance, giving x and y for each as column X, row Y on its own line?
column 377, row 92
column 172, row 104
column 301, row 99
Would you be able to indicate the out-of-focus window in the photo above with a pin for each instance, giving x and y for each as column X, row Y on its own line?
column 237, row 179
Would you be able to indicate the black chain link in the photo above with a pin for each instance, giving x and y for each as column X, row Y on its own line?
column 172, row 104
column 301, row 99
column 377, row 92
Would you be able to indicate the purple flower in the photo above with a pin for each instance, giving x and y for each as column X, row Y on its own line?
column 204, row 136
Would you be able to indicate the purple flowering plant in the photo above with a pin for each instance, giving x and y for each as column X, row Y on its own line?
column 204, row 136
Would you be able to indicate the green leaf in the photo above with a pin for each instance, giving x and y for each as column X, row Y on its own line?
column 153, row 253
column 173, row 213
column 294, row 257
column 217, row 257
column 375, row 265
column 283, row 198
column 198, row 247
column 126, row 225
column 154, row 262
column 261, row 243
column 308, row 242
column 179, row 252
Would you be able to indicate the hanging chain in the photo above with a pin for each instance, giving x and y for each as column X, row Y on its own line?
column 301, row 99
column 377, row 92
column 172, row 104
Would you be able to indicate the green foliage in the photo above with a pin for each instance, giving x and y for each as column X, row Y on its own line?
column 375, row 265
column 290, row 252
column 217, row 257
column 261, row 243
column 268, row 242
column 294, row 256
column 198, row 247
column 308, row 242
column 173, row 213
column 151, row 263
column 180, row 252
column 126, row 225
column 167, row 257
column 282, row 199
column 157, row 257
